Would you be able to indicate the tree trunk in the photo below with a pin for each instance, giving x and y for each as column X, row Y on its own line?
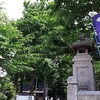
column 16, row 76
column 45, row 94
column 32, row 87
column 21, row 83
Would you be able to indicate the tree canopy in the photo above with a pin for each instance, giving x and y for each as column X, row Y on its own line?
column 37, row 46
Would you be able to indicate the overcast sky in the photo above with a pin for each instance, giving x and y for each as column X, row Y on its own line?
column 14, row 8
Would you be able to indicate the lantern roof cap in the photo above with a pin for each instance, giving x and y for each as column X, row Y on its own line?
column 83, row 43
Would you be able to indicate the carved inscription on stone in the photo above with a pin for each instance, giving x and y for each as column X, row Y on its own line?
column 82, row 75
column 82, row 71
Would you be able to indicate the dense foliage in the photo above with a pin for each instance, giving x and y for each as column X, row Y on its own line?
column 37, row 46
column 77, row 11
column 47, row 35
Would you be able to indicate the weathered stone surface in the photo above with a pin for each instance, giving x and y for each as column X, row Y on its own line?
column 88, row 95
column 82, row 44
column 81, row 86
column 83, row 71
column 72, row 88
column 72, row 80
column 81, row 57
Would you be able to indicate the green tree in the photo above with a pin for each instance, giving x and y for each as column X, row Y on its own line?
column 77, row 11
column 47, row 44
column 7, row 34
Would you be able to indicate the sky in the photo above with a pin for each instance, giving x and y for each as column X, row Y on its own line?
column 13, row 8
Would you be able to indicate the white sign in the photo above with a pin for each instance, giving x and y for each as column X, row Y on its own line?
column 21, row 97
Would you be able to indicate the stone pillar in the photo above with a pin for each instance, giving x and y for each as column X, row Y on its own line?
column 72, row 88
column 83, row 71
column 83, row 67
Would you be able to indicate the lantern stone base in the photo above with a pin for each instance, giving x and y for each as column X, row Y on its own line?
column 81, row 86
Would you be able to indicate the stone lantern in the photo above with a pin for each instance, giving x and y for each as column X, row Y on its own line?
column 83, row 67
column 83, row 73
column 83, row 45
